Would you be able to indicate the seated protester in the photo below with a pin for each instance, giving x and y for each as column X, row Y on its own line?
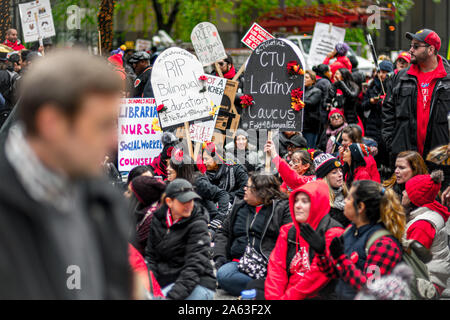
column 357, row 164
column 241, row 151
column 330, row 170
column 299, row 171
column 407, row 165
column 229, row 177
column 214, row 199
column 426, row 225
column 159, row 164
column 353, row 134
column 438, row 159
column 287, row 142
column 254, row 222
column 145, row 198
column 292, row 272
column 134, row 173
column 178, row 247
column 370, row 208
column 331, row 138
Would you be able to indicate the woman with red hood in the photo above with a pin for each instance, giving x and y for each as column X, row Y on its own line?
column 426, row 224
column 292, row 272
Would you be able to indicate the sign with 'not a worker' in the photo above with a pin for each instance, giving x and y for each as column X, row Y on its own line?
column 270, row 84
column 176, row 85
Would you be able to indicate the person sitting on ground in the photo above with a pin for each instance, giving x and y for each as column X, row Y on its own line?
column 253, row 224
column 178, row 245
column 240, row 150
column 426, row 225
column 439, row 159
column 331, row 138
column 159, row 164
column 353, row 257
column 292, row 272
column 357, row 164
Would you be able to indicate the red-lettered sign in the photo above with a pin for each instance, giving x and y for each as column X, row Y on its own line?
column 256, row 35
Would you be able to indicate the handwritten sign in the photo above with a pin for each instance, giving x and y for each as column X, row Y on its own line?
column 255, row 36
column 176, row 85
column 37, row 20
column 139, row 143
column 268, row 81
column 203, row 131
column 207, row 43
column 323, row 42
column 143, row 45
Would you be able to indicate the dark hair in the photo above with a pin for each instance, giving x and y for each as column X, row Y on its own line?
column 347, row 76
column 321, row 69
column 47, row 83
column 380, row 205
column 138, row 171
column 306, row 158
column 228, row 59
column 184, row 170
column 354, row 132
column 353, row 61
column 266, row 187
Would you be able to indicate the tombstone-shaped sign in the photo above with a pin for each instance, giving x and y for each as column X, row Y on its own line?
column 274, row 78
column 207, row 43
column 177, row 86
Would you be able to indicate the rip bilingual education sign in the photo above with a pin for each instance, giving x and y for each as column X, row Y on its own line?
column 176, row 85
column 267, row 80
column 139, row 143
column 207, row 43
column 204, row 130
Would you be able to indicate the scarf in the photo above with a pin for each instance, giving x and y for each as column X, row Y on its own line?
column 230, row 74
column 333, row 133
column 339, row 198
column 223, row 178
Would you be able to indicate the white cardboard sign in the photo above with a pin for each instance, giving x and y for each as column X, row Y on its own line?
column 207, row 43
column 37, row 20
column 324, row 40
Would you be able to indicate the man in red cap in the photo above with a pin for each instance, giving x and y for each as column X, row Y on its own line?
column 402, row 62
column 415, row 111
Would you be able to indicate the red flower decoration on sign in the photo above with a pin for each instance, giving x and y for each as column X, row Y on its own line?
column 203, row 78
column 161, row 108
column 293, row 68
column 296, row 99
column 246, row 101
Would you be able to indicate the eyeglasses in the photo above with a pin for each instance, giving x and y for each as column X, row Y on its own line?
column 415, row 46
column 221, row 63
column 335, row 116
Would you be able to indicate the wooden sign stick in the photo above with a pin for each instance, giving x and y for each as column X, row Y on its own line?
column 196, row 150
column 241, row 69
column 188, row 137
column 268, row 158
column 218, row 70
column 99, row 43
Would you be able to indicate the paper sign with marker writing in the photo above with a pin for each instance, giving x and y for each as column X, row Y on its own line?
column 139, row 133
column 325, row 38
column 37, row 20
column 207, row 43
column 176, row 86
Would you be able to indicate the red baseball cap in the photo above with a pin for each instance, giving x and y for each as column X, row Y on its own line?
column 426, row 35
column 405, row 56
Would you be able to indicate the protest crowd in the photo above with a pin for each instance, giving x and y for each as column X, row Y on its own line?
column 348, row 198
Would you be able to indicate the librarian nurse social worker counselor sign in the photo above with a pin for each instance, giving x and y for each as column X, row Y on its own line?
column 178, row 89
column 274, row 80
column 139, row 137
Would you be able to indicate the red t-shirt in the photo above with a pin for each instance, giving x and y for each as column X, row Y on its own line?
column 426, row 82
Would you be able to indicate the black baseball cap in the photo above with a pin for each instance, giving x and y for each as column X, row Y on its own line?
column 426, row 35
column 182, row 190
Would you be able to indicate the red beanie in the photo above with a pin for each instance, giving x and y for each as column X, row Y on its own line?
column 335, row 110
column 423, row 189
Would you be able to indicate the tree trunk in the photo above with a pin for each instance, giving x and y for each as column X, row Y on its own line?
column 105, row 25
column 166, row 26
column 5, row 18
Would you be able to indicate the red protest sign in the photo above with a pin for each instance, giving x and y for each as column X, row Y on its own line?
column 256, row 35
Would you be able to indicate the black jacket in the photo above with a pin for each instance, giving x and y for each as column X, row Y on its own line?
column 231, row 178
column 35, row 248
column 347, row 100
column 180, row 254
column 323, row 84
column 224, row 237
column 311, row 118
column 141, row 90
column 399, row 116
column 214, row 199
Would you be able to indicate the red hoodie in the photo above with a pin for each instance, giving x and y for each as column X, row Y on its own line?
column 291, row 179
column 341, row 62
column 306, row 279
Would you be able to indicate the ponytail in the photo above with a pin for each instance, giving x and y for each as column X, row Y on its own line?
column 392, row 213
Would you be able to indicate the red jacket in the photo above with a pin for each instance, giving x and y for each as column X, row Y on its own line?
column 290, row 177
column 341, row 62
column 367, row 172
column 306, row 280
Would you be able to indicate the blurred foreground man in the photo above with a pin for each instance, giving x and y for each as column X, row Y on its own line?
column 62, row 229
